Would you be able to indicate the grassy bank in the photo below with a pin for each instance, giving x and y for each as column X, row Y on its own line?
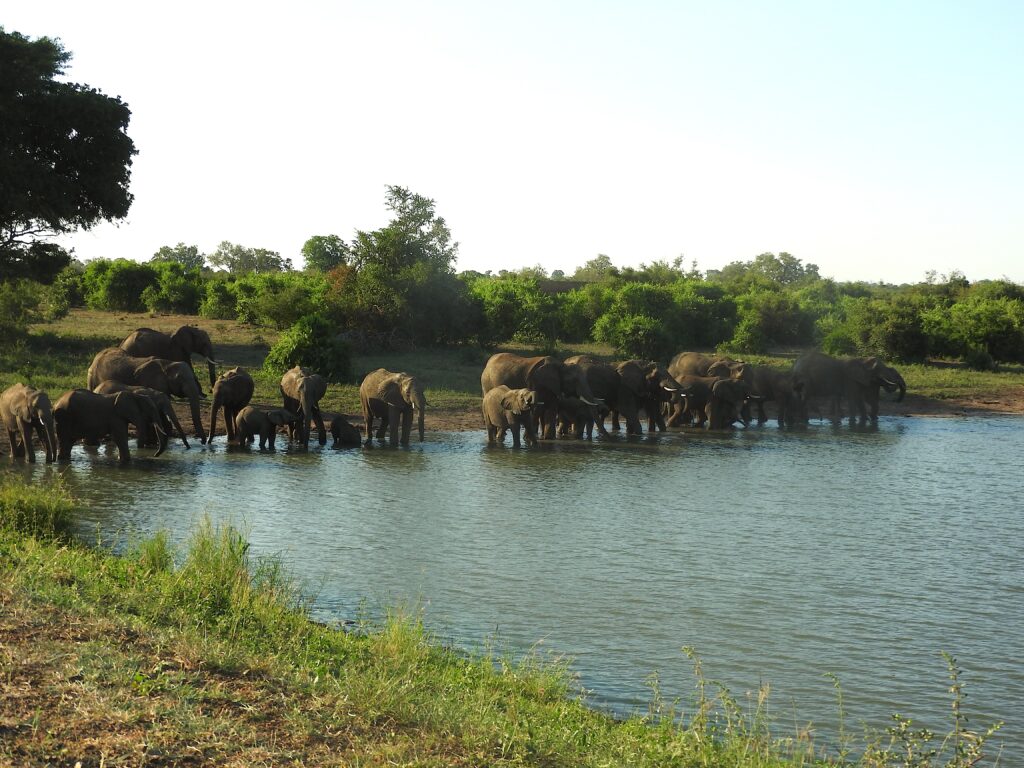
column 208, row 656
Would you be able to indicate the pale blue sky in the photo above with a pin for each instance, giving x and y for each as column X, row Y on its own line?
column 878, row 140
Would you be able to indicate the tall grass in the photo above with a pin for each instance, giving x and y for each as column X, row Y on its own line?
column 37, row 512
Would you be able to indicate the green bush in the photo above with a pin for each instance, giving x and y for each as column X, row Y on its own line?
column 177, row 289
column 639, row 336
column 220, row 301
column 20, row 304
column 312, row 342
column 118, row 285
column 278, row 299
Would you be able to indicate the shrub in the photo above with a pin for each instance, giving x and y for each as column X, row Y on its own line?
column 177, row 289
column 312, row 342
column 220, row 301
column 638, row 336
column 118, row 285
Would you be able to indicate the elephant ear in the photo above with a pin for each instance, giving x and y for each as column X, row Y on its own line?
column 859, row 372
column 511, row 402
column 152, row 374
column 389, row 386
column 532, row 372
column 23, row 412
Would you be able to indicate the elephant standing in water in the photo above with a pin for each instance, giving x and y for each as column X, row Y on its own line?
column 775, row 385
column 168, row 418
column 622, row 394
column 167, row 376
column 344, row 432
column 231, row 392
column 302, row 390
column 392, row 397
column 252, row 422
column 858, row 379
column 548, row 376
column 179, row 346
column 24, row 409
column 84, row 415
column 505, row 409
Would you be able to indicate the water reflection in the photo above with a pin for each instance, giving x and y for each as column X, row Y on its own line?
column 779, row 554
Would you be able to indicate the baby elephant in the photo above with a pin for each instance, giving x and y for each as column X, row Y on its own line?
column 344, row 433
column 252, row 421
column 505, row 408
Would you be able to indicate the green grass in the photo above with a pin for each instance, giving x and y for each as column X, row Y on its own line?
column 209, row 654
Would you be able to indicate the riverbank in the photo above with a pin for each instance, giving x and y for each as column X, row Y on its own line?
column 56, row 356
column 208, row 656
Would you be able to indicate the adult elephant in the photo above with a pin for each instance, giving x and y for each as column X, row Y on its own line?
column 657, row 385
column 167, row 376
column 162, row 403
column 231, row 393
column 699, row 364
column 727, row 403
column 548, row 376
column 857, row 379
column 621, row 396
column 302, row 390
column 689, row 406
column 392, row 397
column 179, row 346
column 85, row 415
column 772, row 384
column 22, row 410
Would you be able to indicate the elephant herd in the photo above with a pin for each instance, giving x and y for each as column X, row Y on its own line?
column 132, row 385
column 543, row 395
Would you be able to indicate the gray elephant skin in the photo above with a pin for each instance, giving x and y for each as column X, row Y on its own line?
column 251, row 422
column 24, row 410
column 302, row 390
column 772, row 384
column 392, row 397
column 162, row 404
column 658, row 387
column 548, row 376
column 509, row 409
column 858, row 380
column 728, row 404
column 179, row 346
column 167, row 376
column 232, row 391
column 84, row 415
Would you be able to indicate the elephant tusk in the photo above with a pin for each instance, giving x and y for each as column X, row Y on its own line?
column 670, row 389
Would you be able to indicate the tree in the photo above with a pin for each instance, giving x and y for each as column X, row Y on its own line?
column 324, row 252
column 595, row 270
column 416, row 234
column 187, row 255
column 65, row 155
column 238, row 259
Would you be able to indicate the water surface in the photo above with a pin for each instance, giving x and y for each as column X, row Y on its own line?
column 779, row 556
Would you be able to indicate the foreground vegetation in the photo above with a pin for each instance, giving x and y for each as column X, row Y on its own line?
column 208, row 656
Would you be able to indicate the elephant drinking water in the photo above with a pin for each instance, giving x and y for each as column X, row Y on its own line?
column 24, row 409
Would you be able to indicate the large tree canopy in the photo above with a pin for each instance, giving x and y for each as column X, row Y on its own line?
column 65, row 155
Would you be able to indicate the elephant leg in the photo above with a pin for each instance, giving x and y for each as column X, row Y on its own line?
column 321, row 433
column 615, row 421
column 492, row 434
column 120, row 435
column 26, row 438
column 515, row 434
column 406, row 424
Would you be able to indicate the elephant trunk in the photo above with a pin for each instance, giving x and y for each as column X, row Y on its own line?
column 161, row 437
column 51, row 440
column 197, row 419
column 307, row 406
column 211, row 366
column 420, row 408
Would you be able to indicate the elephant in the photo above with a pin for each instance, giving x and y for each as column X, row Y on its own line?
column 167, row 376
column 301, row 390
column 858, row 379
column 179, row 346
column 82, row 414
column 344, row 432
column 251, row 422
column 776, row 385
column 726, row 404
column 22, row 409
column 659, row 386
column 698, row 364
column 231, row 392
column 548, row 376
column 392, row 397
column 622, row 396
column 504, row 409
column 689, row 406
column 577, row 418
column 162, row 403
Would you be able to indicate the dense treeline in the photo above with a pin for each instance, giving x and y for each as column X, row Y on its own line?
column 397, row 286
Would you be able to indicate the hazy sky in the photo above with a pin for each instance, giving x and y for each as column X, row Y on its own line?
column 878, row 140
